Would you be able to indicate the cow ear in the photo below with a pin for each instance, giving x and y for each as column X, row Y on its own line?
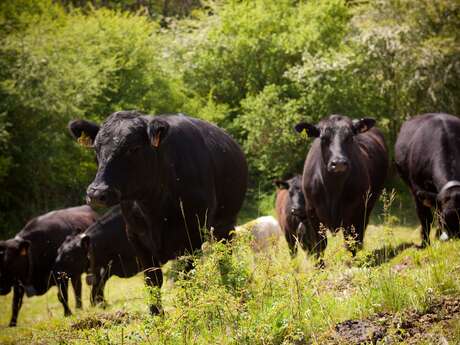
column 84, row 132
column 24, row 248
column 428, row 199
column 157, row 131
column 85, row 241
column 281, row 184
column 362, row 125
column 309, row 129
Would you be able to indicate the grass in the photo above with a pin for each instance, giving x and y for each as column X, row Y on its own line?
column 234, row 296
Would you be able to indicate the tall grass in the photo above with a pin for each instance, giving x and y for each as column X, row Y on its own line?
column 233, row 296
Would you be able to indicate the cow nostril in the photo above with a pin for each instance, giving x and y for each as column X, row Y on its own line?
column 96, row 195
column 338, row 165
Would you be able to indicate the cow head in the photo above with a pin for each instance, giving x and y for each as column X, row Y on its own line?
column 448, row 202
column 14, row 263
column 336, row 135
column 124, row 144
column 296, row 202
column 72, row 258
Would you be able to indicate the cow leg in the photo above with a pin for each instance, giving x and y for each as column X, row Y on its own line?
column 97, row 290
column 426, row 218
column 353, row 239
column 63, row 295
column 18, row 295
column 76, row 284
column 315, row 238
column 292, row 243
column 139, row 234
column 189, row 265
column 154, row 279
column 152, row 271
column 223, row 231
column 152, row 274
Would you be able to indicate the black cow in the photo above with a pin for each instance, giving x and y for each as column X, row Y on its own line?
column 427, row 155
column 290, row 210
column 26, row 261
column 185, row 175
column 343, row 176
column 102, row 251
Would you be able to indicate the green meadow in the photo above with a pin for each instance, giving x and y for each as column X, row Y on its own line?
column 391, row 293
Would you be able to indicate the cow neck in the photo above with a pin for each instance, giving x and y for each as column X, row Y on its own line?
column 446, row 165
column 333, row 190
column 156, row 189
column 166, row 180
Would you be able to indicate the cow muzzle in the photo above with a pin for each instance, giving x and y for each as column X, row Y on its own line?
column 299, row 213
column 101, row 196
column 338, row 166
column 451, row 222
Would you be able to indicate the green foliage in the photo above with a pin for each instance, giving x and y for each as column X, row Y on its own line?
column 254, row 68
column 239, row 58
column 399, row 60
column 61, row 66
column 234, row 296
column 267, row 123
column 249, row 45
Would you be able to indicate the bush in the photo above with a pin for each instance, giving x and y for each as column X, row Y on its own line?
column 61, row 66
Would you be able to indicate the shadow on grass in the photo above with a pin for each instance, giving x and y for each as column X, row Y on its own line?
column 382, row 255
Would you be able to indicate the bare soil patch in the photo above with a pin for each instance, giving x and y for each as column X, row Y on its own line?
column 412, row 327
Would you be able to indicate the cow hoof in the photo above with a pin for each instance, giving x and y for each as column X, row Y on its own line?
column 156, row 310
column 67, row 313
column 12, row 324
column 320, row 264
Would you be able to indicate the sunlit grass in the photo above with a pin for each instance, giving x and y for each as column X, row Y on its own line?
column 237, row 297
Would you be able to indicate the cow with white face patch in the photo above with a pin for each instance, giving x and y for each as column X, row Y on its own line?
column 184, row 175
column 343, row 176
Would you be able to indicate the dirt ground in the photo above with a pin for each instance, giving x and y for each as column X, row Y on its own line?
column 437, row 325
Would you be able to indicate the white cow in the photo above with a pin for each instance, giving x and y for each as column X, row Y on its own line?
column 265, row 232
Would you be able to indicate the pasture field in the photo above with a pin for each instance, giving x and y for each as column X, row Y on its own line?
column 391, row 293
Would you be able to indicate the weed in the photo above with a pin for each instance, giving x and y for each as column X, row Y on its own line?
column 229, row 295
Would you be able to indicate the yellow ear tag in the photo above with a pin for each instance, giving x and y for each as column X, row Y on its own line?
column 156, row 140
column 84, row 140
column 304, row 133
column 427, row 203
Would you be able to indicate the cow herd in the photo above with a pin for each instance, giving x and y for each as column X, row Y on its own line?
column 172, row 181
